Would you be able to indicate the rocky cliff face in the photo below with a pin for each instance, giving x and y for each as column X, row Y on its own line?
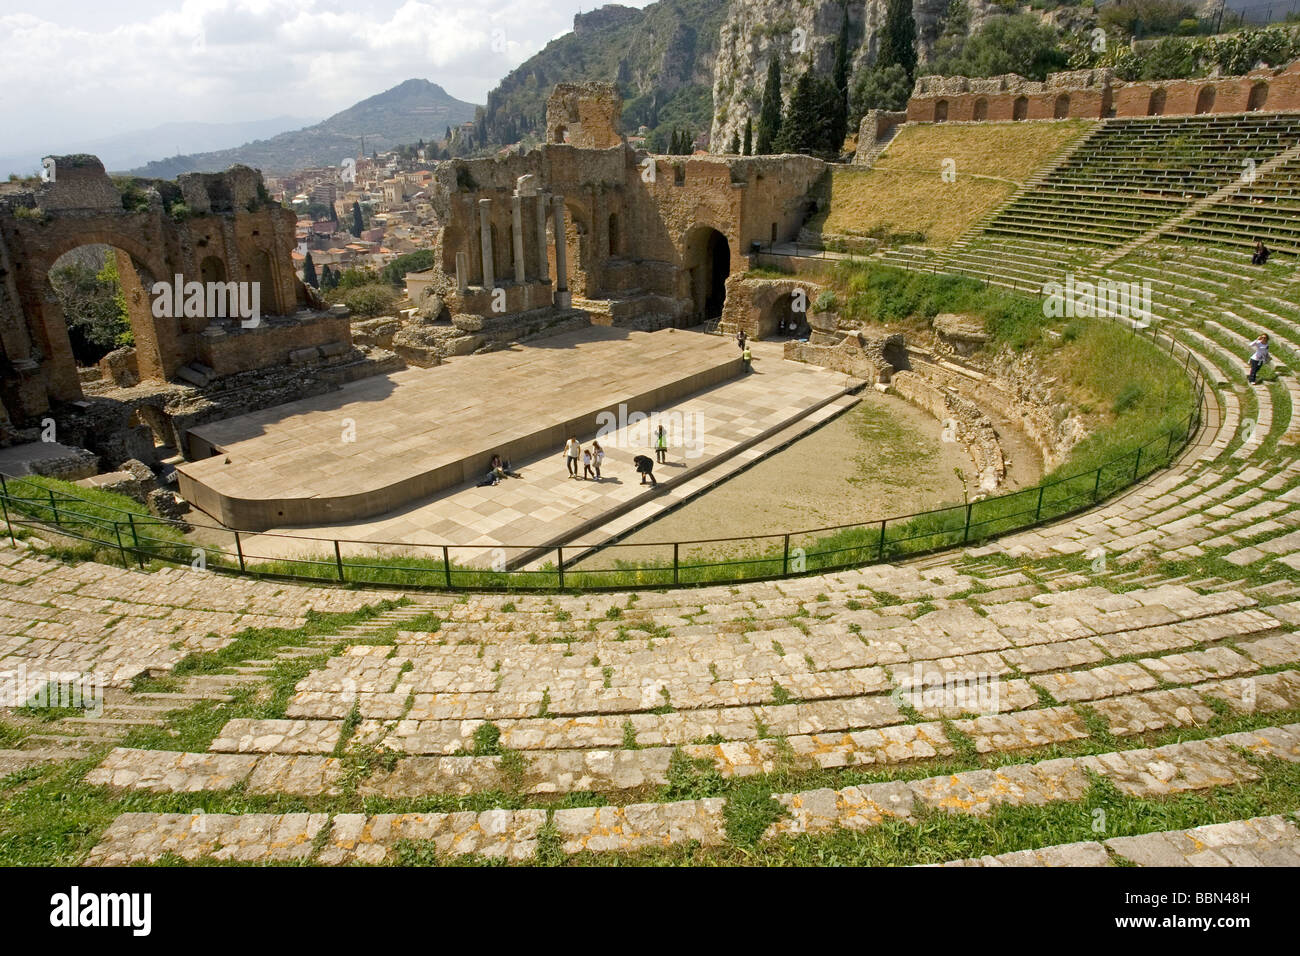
column 756, row 29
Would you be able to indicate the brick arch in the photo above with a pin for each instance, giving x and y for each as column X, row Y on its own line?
column 46, row 322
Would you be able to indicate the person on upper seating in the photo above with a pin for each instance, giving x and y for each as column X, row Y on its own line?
column 1261, row 253
column 740, row 339
column 1259, row 357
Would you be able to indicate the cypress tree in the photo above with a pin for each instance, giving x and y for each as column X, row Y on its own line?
column 769, row 117
column 357, row 223
column 839, row 119
column 898, row 45
column 799, row 132
column 309, row 272
column 749, row 137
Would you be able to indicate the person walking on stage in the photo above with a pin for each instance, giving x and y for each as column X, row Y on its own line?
column 661, row 445
column 597, row 456
column 571, row 451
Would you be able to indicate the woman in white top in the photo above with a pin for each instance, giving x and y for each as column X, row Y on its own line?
column 597, row 456
column 571, row 451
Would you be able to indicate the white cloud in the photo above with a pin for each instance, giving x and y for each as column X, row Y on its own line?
column 86, row 74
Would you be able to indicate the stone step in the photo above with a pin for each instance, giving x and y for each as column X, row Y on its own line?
column 1190, row 767
column 1259, row 841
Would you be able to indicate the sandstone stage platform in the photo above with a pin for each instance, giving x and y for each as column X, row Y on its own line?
column 380, row 443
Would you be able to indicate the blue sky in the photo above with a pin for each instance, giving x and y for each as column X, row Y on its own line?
column 87, row 68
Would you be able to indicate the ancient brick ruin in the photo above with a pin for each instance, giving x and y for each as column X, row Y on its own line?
column 1097, row 94
column 211, row 228
column 646, row 241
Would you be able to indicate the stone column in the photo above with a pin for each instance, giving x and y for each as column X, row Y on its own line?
column 517, row 230
column 562, row 298
column 543, row 260
column 485, row 240
column 462, row 270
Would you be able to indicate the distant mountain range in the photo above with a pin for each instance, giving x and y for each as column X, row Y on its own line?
column 126, row 150
column 414, row 110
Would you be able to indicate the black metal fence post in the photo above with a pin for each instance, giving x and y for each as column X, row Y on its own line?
column 446, row 566
column 4, row 502
column 785, row 558
column 1038, row 511
column 239, row 550
column 338, row 558
column 117, row 529
column 676, row 562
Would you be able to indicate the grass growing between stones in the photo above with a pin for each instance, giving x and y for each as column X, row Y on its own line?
column 937, row 836
column 49, row 816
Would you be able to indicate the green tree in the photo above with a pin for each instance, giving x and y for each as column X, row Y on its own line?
column 309, row 272
column 898, row 42
column 357, row 223
column 769, row 115
column 879, row 88
column 806, row 126
column 328, row 278
column 734, row 147
column 94, row 307
column 418, row 261
column 1020, row 43
column 839, row 119
column 749, row 136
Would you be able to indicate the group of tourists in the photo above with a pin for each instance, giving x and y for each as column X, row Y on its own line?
column 593, row 457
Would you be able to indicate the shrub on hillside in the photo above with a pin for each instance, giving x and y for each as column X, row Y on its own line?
column 375, row 298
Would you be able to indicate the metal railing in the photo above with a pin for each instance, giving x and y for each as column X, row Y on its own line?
column 141, row 538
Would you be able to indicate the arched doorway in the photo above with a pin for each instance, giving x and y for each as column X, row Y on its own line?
column 1258, row 97
column 708, row 263
column 1205, row 100
column 1061, row 109
column 1020, row 108
column 102, row 295
column 1156, row 103
column 981, row 109
column 941, row 111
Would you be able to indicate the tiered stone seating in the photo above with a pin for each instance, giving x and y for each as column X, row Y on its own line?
column 546, row 727
column 1131, row 174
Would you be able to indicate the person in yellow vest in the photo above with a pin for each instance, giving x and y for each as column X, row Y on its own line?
column 747, row 357
column 661, row 445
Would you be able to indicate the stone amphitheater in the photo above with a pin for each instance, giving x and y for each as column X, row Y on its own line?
column 1145, row 706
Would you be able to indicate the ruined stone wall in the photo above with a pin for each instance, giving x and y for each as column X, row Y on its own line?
column 1095, row 94
column 231, row 233
column 586, row 115
column 632, row 224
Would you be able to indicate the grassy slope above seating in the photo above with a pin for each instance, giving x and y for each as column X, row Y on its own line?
column 903, row 194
